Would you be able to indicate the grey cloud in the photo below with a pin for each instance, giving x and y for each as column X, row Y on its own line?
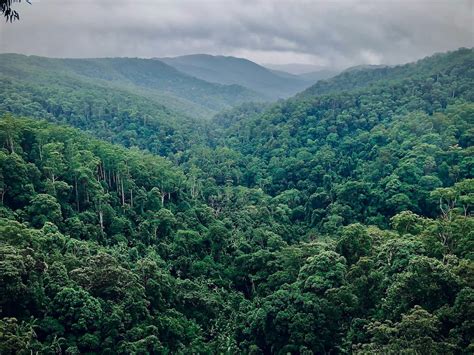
column 337, row 33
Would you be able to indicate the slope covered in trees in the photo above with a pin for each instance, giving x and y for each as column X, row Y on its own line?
column 114, row 113
column 363, row 154
column 431, row 67
column 147, row 77
column 339, row 222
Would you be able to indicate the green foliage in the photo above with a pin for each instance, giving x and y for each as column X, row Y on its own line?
column 160, row 83
column 362, row 152
column 338, row 223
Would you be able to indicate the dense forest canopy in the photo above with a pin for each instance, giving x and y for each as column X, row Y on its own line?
column 337, row 221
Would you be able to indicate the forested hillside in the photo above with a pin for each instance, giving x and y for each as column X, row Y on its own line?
column 436, row 68
column 338, row 221
column 363, row 154
column 150, row 78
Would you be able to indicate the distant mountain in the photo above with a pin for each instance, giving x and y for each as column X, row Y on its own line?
column 152, row 78
column 232, row 70
column 307, row 72
column 315, row 76
column 294, row 68
column 364, row 67
column 285, row 74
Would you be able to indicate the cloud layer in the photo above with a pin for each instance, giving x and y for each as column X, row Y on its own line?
column 336, row 33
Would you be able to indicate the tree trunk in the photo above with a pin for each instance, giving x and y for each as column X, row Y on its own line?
column 12, row 148
column 101, row 220
column 123, row 194
column 77, row 194
column 53, row 178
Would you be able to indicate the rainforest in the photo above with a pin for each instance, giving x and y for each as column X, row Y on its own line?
column 182, row 206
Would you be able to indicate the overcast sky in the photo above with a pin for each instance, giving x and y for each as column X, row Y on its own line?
column 337, row 33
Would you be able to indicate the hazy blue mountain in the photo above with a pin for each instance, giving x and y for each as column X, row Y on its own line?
column 364, row 67
column 286, row 75
column 307, row 72
column 317, row 75
column 231, row 70
column 149, row 77
column 294, row 68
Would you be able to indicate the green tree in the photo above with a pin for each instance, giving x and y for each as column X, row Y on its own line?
column 44, row 208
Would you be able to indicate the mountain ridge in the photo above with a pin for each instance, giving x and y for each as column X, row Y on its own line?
column 241, row 71
column 147, row 74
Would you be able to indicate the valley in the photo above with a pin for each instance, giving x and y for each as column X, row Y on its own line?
column 207, row 204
